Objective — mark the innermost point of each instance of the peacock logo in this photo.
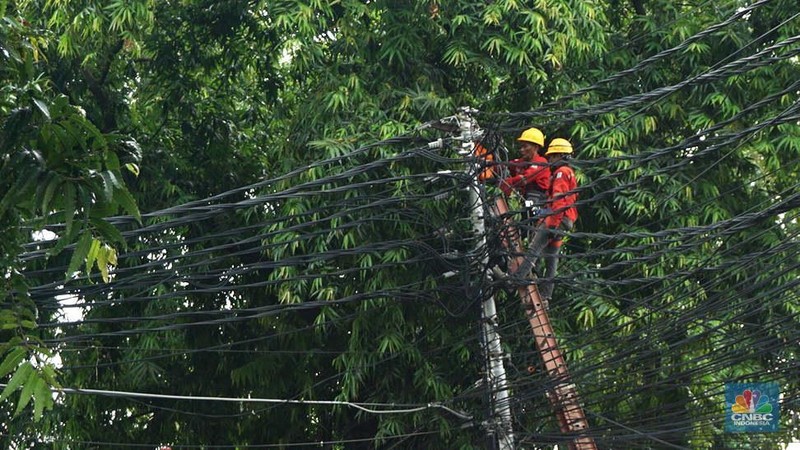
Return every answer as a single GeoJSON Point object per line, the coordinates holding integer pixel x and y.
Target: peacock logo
{"type": "Point", "coordinates": [750, 402]}
{"type": "Point", "coordinates": [752, 407]}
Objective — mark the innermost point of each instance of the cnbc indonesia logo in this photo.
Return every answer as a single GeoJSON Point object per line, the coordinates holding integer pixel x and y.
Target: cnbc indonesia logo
{"type": "Point", "coordinates": [752, 408]}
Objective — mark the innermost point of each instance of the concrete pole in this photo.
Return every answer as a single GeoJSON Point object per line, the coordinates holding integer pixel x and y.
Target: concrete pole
{"type": "Point", "coordinates": [496, 380]}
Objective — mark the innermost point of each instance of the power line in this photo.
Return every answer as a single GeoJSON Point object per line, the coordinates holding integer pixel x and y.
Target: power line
{"type": "Point", "coordinates": [368, 407]}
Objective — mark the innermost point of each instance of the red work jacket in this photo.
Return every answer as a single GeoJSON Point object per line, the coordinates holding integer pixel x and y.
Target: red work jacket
{"type": "Point", "coordinates": [562, 196]}
{"type": "Point", "coordinates": [527, 176]}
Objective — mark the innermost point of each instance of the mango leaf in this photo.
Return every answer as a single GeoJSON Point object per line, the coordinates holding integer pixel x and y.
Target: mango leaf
{"type": "Point", "coordinates": [43, 398]}
{"type": "Point", "coordinates": [80, 252]}
{"type": "Point", "coordinates": [49, 191]}
{"type": "Point", "coordinates": [27, 392]}
{"type": "Point", "coordinates": [20, 376]}
{"type": "Point", "coordinates": [108, 186]}
{"type": "Point", "coordinates": [69, 205]}
{"type": "Point", "coordinates": [102, 262]}
{"type": "Point", "coordinates": [132, 168]}
{"type": "Point", "coordinates": [42, 107]}
{"type": "Point", "coordinates": [12, 360]}
{"type": "Point", "coordinates": [91, 256]}
{"type": "Point", "coordinates": [126, 200]}
{"type": "Point", "coordinates": [112, 161]}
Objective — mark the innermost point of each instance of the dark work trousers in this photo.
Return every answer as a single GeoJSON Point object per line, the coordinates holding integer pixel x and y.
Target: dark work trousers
{"type": "Point", "coordinates": [544, 244]}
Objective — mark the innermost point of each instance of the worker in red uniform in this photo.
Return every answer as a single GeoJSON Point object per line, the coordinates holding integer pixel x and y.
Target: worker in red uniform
{"type": "Point", "coordinates": [560, 214]}
{"type": "Point", "coordinates": [530, 174]}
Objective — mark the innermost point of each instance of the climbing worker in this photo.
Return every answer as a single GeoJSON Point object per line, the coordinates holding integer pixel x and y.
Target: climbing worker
{"type": "Point", "coordinates": [529, 175]}
{"type": "Point", "coordinates": [560, 214]}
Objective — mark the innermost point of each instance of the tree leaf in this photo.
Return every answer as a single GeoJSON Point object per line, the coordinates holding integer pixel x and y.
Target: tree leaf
{"type": "Point", "coordinates": [42, 107]}
{"type": "Point", "coordinates": [27, 392]}
{"type": "Point", "coordinates": [108, 186]}
{"type": "Point", "coordinates": [132, 168]}
{"type": "Point", "coordinates": [79, 254]}
{"type": "Point", "coordinates": [112, 161]}
{"type": "Point", "coordinates": [102, 262]}
{"type": "Point", "coordinates": [12, 360]}
{"type": "Point", "coordinates": [126, 200]}
{"type": "Point", "coordinates": [20, 376]}
{"type": "Point", "coordinates": [91, 255]}
{"type": "Point", "coordinates": [43, 398]}
{"type": "Point", "coordinates": [49, 191]}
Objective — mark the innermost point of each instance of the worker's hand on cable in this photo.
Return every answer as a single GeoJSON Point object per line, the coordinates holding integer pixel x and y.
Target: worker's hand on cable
{"type": "Point", "coordinates": [543, 212]}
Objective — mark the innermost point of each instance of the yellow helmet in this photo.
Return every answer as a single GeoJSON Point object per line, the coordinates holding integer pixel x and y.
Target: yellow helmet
{"type": "Point", "coordinates": [532, 135]}
{"type": "Point", "coordinates": [559, 145]}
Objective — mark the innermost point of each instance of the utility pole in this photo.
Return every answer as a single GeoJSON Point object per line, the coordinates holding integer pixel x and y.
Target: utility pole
{"type": "Point", "coordinates": [500, 424]}
{"type": "Point", "coordinates": [563, 395]}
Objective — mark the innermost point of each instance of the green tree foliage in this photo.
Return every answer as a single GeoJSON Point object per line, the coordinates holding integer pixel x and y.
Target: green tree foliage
{"type": "Point", "coordinates": [731, 152]}
{"type": "Point", "coordinates": [292, 242]}
{"type": "Point", "coordinates": [60, 173]}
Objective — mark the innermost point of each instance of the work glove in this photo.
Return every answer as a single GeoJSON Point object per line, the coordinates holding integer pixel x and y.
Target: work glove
{"type": "Point", "coordinates": [567, 223]}
{"type": "Point", "coordinates": [543, 212]}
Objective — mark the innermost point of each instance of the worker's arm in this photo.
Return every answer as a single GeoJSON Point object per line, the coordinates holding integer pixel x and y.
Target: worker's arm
{"type": "Point", "coordinates": [517, 168]}
{"type": "Point", "coordinates": [511, 183]}
{"type": "Point", "coordinates": [538, 175]}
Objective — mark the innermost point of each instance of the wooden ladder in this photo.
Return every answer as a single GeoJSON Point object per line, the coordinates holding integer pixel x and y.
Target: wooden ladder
{"type": "Point", "coordinates": [564, 395]}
